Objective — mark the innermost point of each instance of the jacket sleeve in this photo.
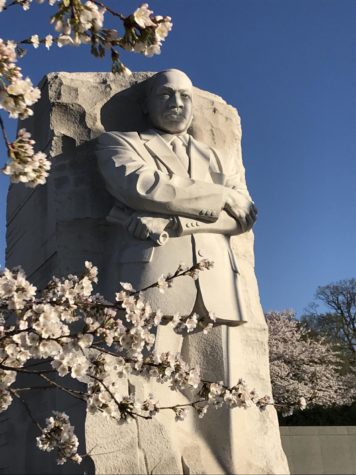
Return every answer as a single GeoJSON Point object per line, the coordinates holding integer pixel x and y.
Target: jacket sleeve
{"type": "Point", "coordinates": [233, 177]}
{"type": "Point", "coordinates": [225, 224]}
{"type": "Point", "coordinates": [140, 186]}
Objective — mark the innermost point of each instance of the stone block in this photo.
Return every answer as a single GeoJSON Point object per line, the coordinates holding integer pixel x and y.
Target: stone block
{"type": "Point", "coordinates": [53, 229]}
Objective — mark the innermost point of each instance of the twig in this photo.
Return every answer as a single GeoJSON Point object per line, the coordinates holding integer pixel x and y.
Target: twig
{"type": "Point", "coordinates": [26, 371]}
{"type": "Point", "coordinates": [27, 408]}
{"type": "Point", "coordinates": [71, 392]}
{"type": "Point", "coordinates": [34, 387]}
{"type": "Point", "coordinates": [5, 136]}
{"type": "Point", "coordinates": [112, 12]}
{"type": "Point", "coordinates": [190, 404]}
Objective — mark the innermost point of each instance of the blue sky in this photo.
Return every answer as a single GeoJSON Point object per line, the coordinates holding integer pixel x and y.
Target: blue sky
{"type": "Point", "coordinates": [289, 66]}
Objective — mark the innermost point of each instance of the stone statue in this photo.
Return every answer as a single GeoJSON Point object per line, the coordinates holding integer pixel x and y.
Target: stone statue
{"type": "Point", "coordinates": [137, 202]}
{"type": "Point", "coordinates": [165, 181]}
{"type": "Point", "coordinates": [178, 200]}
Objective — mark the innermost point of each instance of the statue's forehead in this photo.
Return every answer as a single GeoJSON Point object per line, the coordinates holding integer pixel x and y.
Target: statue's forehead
{"type": "Point", "coordinates": [173, 80]}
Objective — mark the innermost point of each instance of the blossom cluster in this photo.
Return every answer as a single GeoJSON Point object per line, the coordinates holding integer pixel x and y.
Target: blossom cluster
{"type": "Point", "coordinates": [83, 23]}
{"type": "Point", "coordinates": [15, 290]}
{"type": "Point", "coordinates": [77, 22]}
{"type": "Point", "coordinates": [47, 41]}
{"type": "Point", "coordinates": [304, 369]}
{"type": "Point", "coordinates": [98, 343]}
{"type": "Point", "coordinates": [24, 3]}
{"type": "Point", "coordinates": [144, 32]}
{"type": "Point", "coordinates": [24, 165]}
{"type": "Point", "coordinates": [16, 93]}
{"type": "Point", "coordinates": [217, 394]}
{"type": "Point", "coordinates": [59, 435]}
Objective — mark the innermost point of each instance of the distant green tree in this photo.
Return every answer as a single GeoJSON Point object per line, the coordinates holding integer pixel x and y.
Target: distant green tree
{"type": "Point", "coordinates": [338, 321]}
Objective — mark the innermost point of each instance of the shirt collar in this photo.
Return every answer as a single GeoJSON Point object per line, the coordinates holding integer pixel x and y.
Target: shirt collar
{"type": "Point", "coordinates": [167, 137]}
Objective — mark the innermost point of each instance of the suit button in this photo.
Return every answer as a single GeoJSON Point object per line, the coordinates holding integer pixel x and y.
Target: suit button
{"type": "Point", "coordinates": [187, 225]}
{"type": "Point", "coordinates": [201, 253]}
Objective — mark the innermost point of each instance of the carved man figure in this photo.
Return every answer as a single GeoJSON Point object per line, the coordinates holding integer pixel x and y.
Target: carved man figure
{"type": "Point", "coordinates": [163, 180]}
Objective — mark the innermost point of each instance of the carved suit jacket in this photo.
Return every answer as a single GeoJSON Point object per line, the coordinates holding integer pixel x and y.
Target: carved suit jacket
{"type": "Point", "coordinates": [142, 173]}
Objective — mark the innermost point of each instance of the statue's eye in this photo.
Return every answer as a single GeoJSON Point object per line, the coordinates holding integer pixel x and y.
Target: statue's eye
{"type": "Point", "coordinates": [186, 96]}
{"type": "Point", "coordinates": [164, 95]}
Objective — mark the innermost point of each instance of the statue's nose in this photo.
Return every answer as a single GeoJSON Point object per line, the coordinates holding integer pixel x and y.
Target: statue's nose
{"type": "Point", "coordinates": [176, 100]}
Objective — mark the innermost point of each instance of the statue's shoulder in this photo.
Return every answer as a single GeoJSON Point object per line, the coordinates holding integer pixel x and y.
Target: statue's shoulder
{"type": "Point", "coordinates": [203, 145]}
{"type": "Point", "coordinates": [116, 138]}
{"type": "Point", "coordinates": [214, 154]}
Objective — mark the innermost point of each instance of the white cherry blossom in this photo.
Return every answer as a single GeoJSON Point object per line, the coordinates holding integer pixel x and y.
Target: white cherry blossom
{"type": "Point", "coordinates": [35, 41]}
{"type": "Point", "coordinates": [18, 96]}
{"type": "Point", "coordinates": [191, 323]}
{"type": "Point", "coordinates": [181, 413]}
{"type": "Point", "coordinates": [91, 16]}
{"type": "Point", "coordinates": [163, 28]}
{"type": "Point", "coordinates": [63, 40]}
{"type": "Point", "coordinates": [48, 41]}
{"type": "Point", "coordinates": [15, 289]}
{"type": "Point", "coordinates": [142, 16]}
{"type": "Point", "coordinates": [25, 165]}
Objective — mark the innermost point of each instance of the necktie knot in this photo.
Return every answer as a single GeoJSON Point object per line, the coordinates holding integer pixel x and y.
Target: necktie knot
{"type": "Point", "coordinates": [178, 139]}
{"type": "Point", "coordinates": [179, 147]}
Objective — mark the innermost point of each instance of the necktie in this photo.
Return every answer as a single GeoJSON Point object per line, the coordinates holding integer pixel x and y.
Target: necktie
{"type": "Point", "coordinates": [180, 149]}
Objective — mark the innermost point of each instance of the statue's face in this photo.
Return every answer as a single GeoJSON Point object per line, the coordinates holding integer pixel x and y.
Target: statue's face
{"type": "Point", "coordinates": [169, 102]}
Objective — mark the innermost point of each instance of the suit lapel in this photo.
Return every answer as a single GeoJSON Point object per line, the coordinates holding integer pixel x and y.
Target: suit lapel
{"type": "Point", "coordinates": [199, 159]}
{"type": "Point", "coordinates": [163, 153]}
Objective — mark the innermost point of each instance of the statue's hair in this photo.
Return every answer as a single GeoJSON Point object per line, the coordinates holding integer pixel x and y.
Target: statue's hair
{"type": "Point", "coordinates": [151, 81]}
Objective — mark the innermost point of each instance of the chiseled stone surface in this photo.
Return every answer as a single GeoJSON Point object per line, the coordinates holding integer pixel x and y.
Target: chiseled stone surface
{"type": "Point", "coordinates": [55, 228]}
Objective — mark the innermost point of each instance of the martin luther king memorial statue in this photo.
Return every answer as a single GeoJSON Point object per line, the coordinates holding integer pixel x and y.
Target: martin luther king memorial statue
{"type": "Point", "coordinates": [147, 174]}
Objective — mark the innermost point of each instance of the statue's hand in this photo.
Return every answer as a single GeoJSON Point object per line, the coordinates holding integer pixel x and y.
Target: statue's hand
{"type": "Point", "coordinates": [142, 226]}
{"type": "Point", "coordinates": [240, 207]}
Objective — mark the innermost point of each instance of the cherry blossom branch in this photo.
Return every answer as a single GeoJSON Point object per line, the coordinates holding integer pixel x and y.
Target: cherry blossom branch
{"type": "Point", "coordinates": [76, 23]}
{"type": "Point", "coordinates": [165, 280]}
{"type": "Point", "coordinates": [14, 2]}
{"type": "Point", "coordinates": [82, 335]}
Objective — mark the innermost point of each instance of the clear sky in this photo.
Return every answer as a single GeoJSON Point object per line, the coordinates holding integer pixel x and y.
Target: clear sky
{"type": "Point", "coordinates": [289, 66]}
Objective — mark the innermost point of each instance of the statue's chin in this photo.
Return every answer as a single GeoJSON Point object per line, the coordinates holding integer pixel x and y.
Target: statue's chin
{"type": "Point", "coordinates": [175, 127]}
{"type": "Point", "coordinates": [175, 130]}
{"type": "Point", "coordinates": [172, 125]}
